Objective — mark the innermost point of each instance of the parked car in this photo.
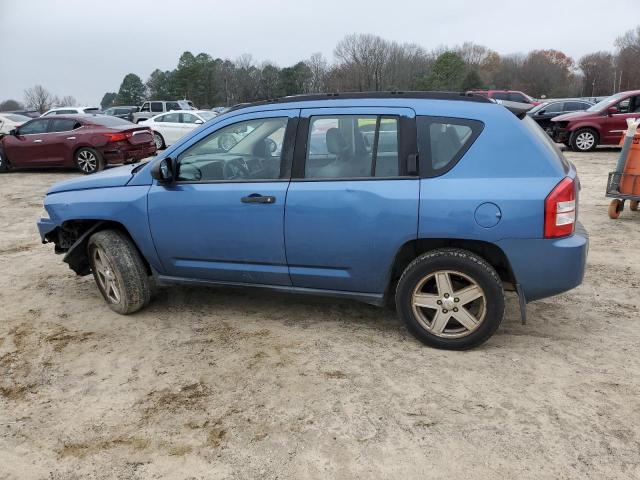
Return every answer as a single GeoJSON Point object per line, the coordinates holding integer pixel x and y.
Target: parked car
{"type": "Point", "coordinates": [545, 111]}
{"type": "Point", "coordinates": [87, 142]}
{"type": "Point", "coordinates": [472, 201]}
{"type": "Point", "coordinates": [125, 112]}
{"type": "Point", "coordinates": [72, 111]}
{"type": "Point", "coordinates": [26, 113]}
{"type": "Point", "coordinates": [601, 124]}
{"type": "Point", "coordinates": [153, 108]}
{"type": "Point", "coordinates": [9, 121]}
{"type": "Point", "coordinates": [508, 95]}
{"type": "Point", "coordinates": [169, 127]}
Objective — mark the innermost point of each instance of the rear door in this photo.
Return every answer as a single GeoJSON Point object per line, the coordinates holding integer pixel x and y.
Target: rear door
{"type": "Point", "coordinates": [61, 140]}
{"type": "Point", "coordinates": [28, 147]}
{"type": "Point", "coordinates": [352, 203]}
{"type": "Point", "coordinates": [223, 219]}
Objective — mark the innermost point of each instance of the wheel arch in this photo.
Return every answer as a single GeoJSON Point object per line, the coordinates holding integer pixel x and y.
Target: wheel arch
{"type": "Point", "coordinates": [72, 236]}
{"type": "Point", "coordinates": [409, 251]}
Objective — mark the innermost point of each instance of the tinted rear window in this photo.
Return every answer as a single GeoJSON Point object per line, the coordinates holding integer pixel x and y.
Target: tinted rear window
{"type": "Point", "coordinates": [109, 121]}
{"type": "Point", "coordinates": [442, 142]}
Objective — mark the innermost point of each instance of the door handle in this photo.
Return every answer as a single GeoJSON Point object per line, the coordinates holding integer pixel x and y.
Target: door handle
{"type": "Point", "coordinates": [71, 138]}
{"type": "Point", "coordinates": [257, 198]}
{"type": "Point", "coordinates": [37, 141]}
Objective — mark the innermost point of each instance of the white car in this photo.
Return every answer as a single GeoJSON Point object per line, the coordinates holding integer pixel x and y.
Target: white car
{"type": "Point", "coordinates": [9, 121]}
{"type": "Point", "coordinates": [72, 111]}
{"type": "Point", "coordinates": [169, 127]}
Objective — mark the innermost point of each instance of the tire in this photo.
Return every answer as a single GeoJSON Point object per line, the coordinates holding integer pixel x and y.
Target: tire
{"type": "Point", "coordinates": [437, 325]}
{"type": "Point", "coordinates": [615, 208]}
{"type": "Point", "coordinates": [118, 271]}
{"type": "Point", "coordinates": [158, 140]}
{"type": "Point", "coordinates": [4, 163]}
{"type": "Point", "coordinates": [584, 140]}
{"type": "Point", "coordinates": [633, 205]}
{"type": "Point", "coordinates": [88, 160]}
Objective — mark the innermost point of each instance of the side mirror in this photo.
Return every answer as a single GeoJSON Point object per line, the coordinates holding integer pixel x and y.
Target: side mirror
{"type": "Point", "coordinates": [198, 122]}
{"type": "Point", "coordinates": [612, 110]}
{"type": "Point", "coordinates": [541, 112]}
{"type": "Point", "coordinates": [13, 132]}
{"type": "Point", "coordinates": [162, 171]}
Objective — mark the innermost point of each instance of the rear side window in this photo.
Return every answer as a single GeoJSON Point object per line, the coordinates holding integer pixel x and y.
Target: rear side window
{"type": "Point", "coordinates": [352, 146]}
{"type": "Point", "coordinates": [156, 107]}
{"type": "Point", "coordinates": [173, 106]}
{"type": "Point", "coordinates": [63, 125]}
{"type": "Point", "coordinates": [555, 108]}
{"type": "Point", "coordinates": [442, 142]}
{"type": "Point", "coordinates": [575, 106]}
{"type": "Point", "coordinates": [517, 97]}
{"type": "Point", "coordinates": [500, 95]}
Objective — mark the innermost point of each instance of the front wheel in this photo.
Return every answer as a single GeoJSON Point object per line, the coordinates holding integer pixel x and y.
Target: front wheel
{"type": "Point", "coordinates": [615, 208]}
{"type": "Point", "coordinates": [119, 271]}
{"type": "Point", "coordinates": [4, 164]}
{"type": "Point", "coordinates": [89, 160]}
{"type": "Point", "coordinates": [451, 298]}
{"type": "Point", "coordinates": [633, 205]}
{"type": "Point", "coordinates": [584, 140]}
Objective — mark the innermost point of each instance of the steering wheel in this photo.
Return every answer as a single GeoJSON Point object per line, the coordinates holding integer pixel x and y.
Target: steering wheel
{"type": "Point", "coordinates": [237, 168]}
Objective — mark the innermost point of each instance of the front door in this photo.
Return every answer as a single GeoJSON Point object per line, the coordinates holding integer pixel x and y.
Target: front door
{"type": "Point", "coordinates": [28, 147]}
{"type": "Point", "coordinates": [616, 124]}
{"type": "Point", "coordinates": [223, 218]}
{"type": "Point", "coordinates": [352, 202]}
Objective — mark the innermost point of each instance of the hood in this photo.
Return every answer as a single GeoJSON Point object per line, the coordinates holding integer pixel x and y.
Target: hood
{"type": "Point", "coordinates": [113, 177]}
{"type": "Point", "coordinates": [567, 117]}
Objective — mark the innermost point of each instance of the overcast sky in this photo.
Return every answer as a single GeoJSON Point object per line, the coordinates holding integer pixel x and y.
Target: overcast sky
{"type": "Point", "coordinates": [85, 47]}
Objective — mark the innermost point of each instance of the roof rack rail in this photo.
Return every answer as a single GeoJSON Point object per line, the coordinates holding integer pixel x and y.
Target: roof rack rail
{"type": "Point", "coordinates": [463, 96]}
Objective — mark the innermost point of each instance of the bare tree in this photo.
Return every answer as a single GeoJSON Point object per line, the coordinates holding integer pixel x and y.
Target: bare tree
{"type": "Point", "coordinates": [363, 58]}
{"type": "Point", "coordinates": [319, 68]}
{"type": "Point", "coordinates": [627, 65]}
{"type": "Point", "coordinates": [38, 98]}
{"type": "Point", "coordinates": [597, 73]}
{"type": "Point", "coordinates": [66, 101]}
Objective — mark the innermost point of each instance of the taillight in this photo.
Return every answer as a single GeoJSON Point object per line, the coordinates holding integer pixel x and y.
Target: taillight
{"type": "Point", "coordinates": [560, 210]}
{"type": "Point", "coordinates": [116, 137]}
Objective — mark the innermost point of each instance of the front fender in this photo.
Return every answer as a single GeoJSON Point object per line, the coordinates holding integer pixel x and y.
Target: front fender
{"type": "Point", "coordinates": [126, 206]}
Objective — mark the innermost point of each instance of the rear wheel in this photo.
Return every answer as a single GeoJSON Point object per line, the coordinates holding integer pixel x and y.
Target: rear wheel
{"type": "Point", "coordinates": [119, 271]}
{"type": "Point", "coordinates": [451, 298]}
{"type": "Point", "coordinates": [615, 208]}
{"type": "Point", "coordinates": [584, 140]}
{"type": "Point", "coordinates": [158, 140]}
{"type": "Point", "coordinates": [633, 205]}
{"type": "Point", "coordinates": [89, 160]}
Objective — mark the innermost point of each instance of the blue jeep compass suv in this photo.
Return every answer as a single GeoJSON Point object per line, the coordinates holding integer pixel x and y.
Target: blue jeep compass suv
{"type": "Point", "coordinates": [436, 202]}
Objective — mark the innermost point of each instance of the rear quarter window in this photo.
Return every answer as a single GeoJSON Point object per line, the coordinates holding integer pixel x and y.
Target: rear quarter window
{"type": "Point", "coordinates": [443, 141]}
{"type": "Point", "coordinates": [541, 136]}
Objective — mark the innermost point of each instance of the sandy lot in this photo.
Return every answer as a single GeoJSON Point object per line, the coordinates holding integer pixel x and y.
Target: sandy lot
{"type": "Point", "coordinates": [215, 383]}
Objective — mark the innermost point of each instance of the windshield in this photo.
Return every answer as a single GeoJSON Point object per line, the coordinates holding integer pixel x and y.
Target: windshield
{"type": "Point", "coordinates": [207, 115]}
{"type": "Point", "coordinates": [17, 118]}
{"type": "Point", "coordinates": [603, 103]}
{"type": "Point", "coordinates": [538, 107]}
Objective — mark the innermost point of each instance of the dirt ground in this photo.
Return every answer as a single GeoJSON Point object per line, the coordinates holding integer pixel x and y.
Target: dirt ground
{"type": "Point", "coordinates": [217, 383]}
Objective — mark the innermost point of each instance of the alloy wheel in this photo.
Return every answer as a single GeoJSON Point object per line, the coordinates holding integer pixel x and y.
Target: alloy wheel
{"type": "Point", "coordinates": [87, 161]}
{"type": "Point", "coordinates": [585, 141]}
{"type": "Point", "coordinates": [449, 304]}
{"type": "Point", "coordinates": [105, 276]}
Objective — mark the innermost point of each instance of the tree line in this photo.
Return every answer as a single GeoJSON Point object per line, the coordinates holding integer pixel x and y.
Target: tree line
{"type": "Point", "coordinates": [365, 62]}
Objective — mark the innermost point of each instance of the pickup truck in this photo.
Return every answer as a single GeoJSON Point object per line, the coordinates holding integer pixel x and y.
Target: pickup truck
{"type": "Point", "coordinates": [153, 108]}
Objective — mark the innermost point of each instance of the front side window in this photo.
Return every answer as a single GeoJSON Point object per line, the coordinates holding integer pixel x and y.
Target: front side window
{"type": "Point", "coordinates": [188, 118]}
{"type": "Point", "coordinates": [442, 142]}
{"type": "Point", "coordinates": [145, 107]}
{"type": "Point", "coordinates": [500, 96]}
{"type": "Point", "coordinates": [156, 107]}
{"type": "Point", "coordinates": [518, 97]}
{"type": "Point", "coordinates": [245, 151]}
{"type": "Point", "coordinates": [34, 127]}
{"type": "Point", "coordinates": [352, 146]}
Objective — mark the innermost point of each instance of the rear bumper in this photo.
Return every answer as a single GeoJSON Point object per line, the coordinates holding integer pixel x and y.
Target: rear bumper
{"type": "Point", "coordinates": [547, 267]}
{"type": "Point", "coordinates": [128, 155]}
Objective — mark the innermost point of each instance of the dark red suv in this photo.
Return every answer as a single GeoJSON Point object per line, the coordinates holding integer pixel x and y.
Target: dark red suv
{"type": "Point", "coordinates": [87, 142]}
{"type": "Point", "coordinates": [602, 124]}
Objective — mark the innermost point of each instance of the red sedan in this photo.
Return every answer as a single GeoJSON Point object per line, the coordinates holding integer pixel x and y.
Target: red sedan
{"type": "Point", "coordinates": [87, 142]}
